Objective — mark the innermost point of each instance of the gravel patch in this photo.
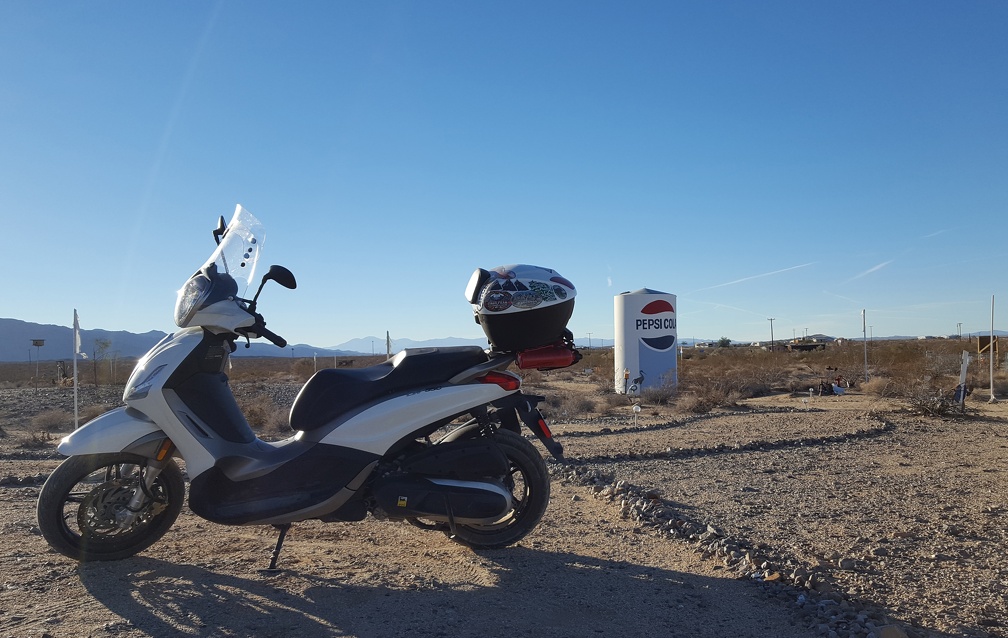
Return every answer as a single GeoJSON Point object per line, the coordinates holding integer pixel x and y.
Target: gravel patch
{"type": "Point", "coordinates": [778, 519]}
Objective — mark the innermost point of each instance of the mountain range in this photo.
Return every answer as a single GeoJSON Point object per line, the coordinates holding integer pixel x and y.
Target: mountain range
{"type": "Point", "coordinates": [16, 339]}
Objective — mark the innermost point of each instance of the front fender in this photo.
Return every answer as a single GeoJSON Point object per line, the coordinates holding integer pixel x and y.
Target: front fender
{"type": "Point", "coordinates": [116, 431]}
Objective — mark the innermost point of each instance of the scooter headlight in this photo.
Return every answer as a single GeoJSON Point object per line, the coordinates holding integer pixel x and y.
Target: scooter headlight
{"type": "Point", "coordinates": [141, 389]}
{"type": "Point", "coordinates": [190, 298]}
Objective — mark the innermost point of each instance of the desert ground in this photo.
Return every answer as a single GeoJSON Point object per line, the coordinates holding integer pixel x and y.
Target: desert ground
{"type": "Point", "coordinates": [785, 515]}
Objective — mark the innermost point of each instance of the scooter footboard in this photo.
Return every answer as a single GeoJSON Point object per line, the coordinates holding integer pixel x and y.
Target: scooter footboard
{"type": "Point", "coordinates": [119, 430]}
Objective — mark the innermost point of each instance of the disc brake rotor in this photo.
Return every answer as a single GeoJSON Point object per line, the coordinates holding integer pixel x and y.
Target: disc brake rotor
{"type": "Point", "coordinates": [104, 509]}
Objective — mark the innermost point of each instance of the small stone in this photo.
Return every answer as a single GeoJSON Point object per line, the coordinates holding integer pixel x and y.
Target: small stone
{"type": "Point", "coordinates": [890, 631]}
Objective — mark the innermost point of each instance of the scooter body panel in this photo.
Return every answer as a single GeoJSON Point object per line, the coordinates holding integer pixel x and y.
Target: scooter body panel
{"type": "Point", "coordinates": [113, 431]}
{"type": "Point", "coordinates": [379, 427]}
{"type": "Point", "coordinates": [146, 392]}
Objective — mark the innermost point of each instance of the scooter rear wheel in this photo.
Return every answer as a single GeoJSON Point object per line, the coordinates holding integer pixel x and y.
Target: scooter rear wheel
{"type": "Point", "coordinates": [84, 500]}
{"type": "Point", "coordinates": [529, 483]}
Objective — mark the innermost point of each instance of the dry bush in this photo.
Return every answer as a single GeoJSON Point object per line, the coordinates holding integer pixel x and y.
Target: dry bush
{"type": "Point", "coordinates": [531, 377]}
{"type": "Point", "coordinates": [661, 395]}
{"type": "Point", "coordinates": [575, 406]}
{"type": "Point", "coordinates": [50, 421]}
{"type": "Point", "coordinates": [612, 400]}
{"type": "Point", "coordinates": [879, 387]}
{"type": "Point", "coordinates": [924, 397]}
{"type": "Point", "coordinates": [265, 416]}
{"type": "Point", "coordinates": [699, 402]}
{"type": "Point", "coordinates": [37, 439]}
{"type": "Point", "coordinates": [569, 405]}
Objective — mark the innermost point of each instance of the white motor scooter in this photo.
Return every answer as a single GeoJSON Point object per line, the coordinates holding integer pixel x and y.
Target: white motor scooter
{"type": "Point", "coordinates": [431, 436]}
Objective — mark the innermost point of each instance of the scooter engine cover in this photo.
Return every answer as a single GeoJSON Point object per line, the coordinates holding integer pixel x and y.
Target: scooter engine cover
{"type": "Point", "coordinates": [464, 460]}
{"type": "Point", "coordinates": [412, 496]}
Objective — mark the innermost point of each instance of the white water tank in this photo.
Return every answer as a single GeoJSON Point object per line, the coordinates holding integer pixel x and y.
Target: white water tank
{"type": "Point", "coordinates": [646, 340]}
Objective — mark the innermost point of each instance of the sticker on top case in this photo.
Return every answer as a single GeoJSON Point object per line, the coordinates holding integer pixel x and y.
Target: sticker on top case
{"type": "Point", "coordinates": [497, 300]}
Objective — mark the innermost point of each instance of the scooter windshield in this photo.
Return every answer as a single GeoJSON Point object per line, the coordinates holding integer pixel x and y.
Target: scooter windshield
{"type": "Point", "coordinates": [228, 272]}
{"type": "Point", "coordinates": [238, 252]}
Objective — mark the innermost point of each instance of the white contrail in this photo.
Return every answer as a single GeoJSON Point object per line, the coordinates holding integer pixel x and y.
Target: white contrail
{"type": "Point", "coordinates": [872, 269]}
{"type": "Point", "coordinates": [766, 274]}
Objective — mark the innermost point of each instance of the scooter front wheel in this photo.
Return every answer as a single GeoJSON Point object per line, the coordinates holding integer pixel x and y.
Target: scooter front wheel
{"type": "Point", "coordinates": [84, 506]}
{"type": "Point", "coordinates": [529, 483]}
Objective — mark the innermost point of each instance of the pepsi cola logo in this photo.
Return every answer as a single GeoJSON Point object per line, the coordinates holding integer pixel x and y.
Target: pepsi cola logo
{"type": "Point", "coordinates": [657, 307]}
{"type": "Point", "coordinates": [659, 343]}
{"type": "Point", "coordinates": [652, 321]}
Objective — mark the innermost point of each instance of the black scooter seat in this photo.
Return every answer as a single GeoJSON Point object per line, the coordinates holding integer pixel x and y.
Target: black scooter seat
{"type": "Point", "coordinates": [332, 392]}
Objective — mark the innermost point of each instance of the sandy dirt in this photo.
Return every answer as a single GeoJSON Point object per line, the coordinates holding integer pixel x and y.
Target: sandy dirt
{"type": "Point", "coordinates": [836, 516]}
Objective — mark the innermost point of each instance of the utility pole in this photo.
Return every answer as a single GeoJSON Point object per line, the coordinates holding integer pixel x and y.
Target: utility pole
{"type": "Point", "coordinates": [993, 353]}
{"type": "Point", "coordinates": [589, 340]}
{"type": "Point", "coordinates": [864, 337]}
{"type": "Point", "coordinates": [771, 320]}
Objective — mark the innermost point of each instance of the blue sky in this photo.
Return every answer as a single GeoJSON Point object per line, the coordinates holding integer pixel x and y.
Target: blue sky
{"type": "Point", "coordinates": [795, 160]}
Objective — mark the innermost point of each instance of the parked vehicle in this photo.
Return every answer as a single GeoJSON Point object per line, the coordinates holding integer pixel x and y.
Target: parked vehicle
{"type": "Point", "coordinates": [432, 436]}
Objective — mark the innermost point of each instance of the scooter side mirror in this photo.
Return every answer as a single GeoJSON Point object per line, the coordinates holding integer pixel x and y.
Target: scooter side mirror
{"type": "Point", "coordinates": [280, 275]}
{"type": "Point", "coordinates": [221, 229]}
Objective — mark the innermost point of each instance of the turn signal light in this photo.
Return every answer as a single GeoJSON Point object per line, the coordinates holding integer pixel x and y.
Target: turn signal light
{"type": "Point", "coordinates": [506, 381]}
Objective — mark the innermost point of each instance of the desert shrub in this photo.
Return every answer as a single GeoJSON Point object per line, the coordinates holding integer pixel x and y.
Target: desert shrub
{"type": "Point", "coordinates": [1000, 387]}
{"type": "Point", "coordinates": [924, 398]}
{"type": "Point", "coordinates": [37, 439]}
{"type": "Point", "coordinates": [613, 400]}
{"type": "Point", "coordinates": [264, 415]}
{"type": "Point", "coordinates": [660, 395]}
{"type": "Point", "coordinates": [879, 387]}
{"type": "Point", "coordinates": [561, 375]}
{"type": "Point", "coordinates": [704, 399]}
{"type": "Point", "coordinates": [571, 405]}
{"type": "Point", "coordinates": [531, 377]}
{"type": "Point", "coordinates": [50, 421]}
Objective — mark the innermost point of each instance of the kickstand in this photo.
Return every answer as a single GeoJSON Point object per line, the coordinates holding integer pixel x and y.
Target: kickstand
{"type": "Point", "coordinates": [451, 517]}
{"type": "Point", "coordinates": [284, 528]}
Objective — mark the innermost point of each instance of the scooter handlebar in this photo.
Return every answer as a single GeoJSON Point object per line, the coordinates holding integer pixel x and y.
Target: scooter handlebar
{"type": "Point", "coordinates": [272, 337]}
{"type": "Point", "coordinates": [259, 329]}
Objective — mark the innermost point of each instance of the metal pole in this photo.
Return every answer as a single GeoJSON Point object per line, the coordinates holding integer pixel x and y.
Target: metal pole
{"type": "Point", "coordinates": [864, 337]}
{"type": "Point", "coordinates": [771, 319]}
{"type": "Point", "coordinates": [993, 354]}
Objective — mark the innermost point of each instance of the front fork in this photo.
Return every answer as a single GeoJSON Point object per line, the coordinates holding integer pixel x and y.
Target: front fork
{"type": "Point", "coordinates": [142, 495]}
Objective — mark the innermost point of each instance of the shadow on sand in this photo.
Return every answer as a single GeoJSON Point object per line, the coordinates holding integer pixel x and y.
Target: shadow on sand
{"type": "Point", "coordinates": [566, 595]}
